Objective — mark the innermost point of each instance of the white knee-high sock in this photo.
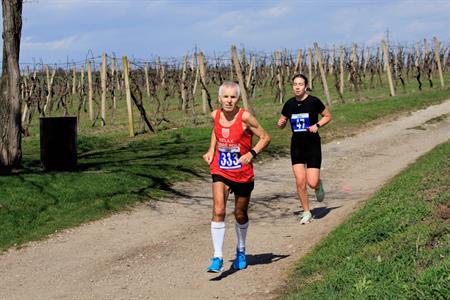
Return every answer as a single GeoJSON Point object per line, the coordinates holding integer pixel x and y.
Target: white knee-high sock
{"type": "Point", "coordinates": [241, 233]}
{"type": "Point", "coordinates": [218, 234]}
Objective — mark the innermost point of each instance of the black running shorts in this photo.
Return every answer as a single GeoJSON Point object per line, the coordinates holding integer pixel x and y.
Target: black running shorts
{"type": "Point", "coordinates": [306, 151]}
{"type": "Point", "coordinates": [238, 188]}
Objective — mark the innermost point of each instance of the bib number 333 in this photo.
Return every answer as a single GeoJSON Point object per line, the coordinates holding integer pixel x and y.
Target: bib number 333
{"type": "Point", "coordinates": [229, 158]}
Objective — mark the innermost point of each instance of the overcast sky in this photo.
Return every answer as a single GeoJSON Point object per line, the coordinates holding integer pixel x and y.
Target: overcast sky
{"type": "Point", "coordinates": [58, 31]}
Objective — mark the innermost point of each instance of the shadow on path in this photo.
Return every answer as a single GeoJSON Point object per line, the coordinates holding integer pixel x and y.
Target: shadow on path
{"type": "Point", "coordinates": [319, 212]}
{"type": "Point", "coordinates": [258, 259]}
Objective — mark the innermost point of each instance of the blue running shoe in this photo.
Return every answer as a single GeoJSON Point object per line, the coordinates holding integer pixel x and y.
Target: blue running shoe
{"type": "Point", "coordinates": [216, 265]}
{"type": "Point", "coordinates": [240, 263]}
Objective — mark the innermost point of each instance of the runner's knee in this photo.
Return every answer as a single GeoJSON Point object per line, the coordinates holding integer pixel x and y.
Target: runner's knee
{"type": "Point", "coordinates": [219, 214]}
{"type": "Point", "coordinates": [241, 216]}
{"type": "Point", "coordinates": [313, 183]}
{"type": "Point", "coordinates": [301, 183]}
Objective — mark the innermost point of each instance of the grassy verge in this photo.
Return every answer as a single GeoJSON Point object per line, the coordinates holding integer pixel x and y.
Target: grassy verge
{"type": "Point", "coordinates": [395, 247]}
{"type": "Point", "coordinates": [112, 174]}
{"type": "Point", "coordinates": [115, 171]}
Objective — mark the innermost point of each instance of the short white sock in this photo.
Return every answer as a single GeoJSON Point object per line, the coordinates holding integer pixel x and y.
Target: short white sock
{"type": "Point", "coordinates": [218, 234]}
{"type": "Point", "coordinates": [241, 233]}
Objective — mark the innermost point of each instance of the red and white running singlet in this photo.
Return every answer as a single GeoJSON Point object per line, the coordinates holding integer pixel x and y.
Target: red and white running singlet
{"type": "Point", "coordinates": [232, 143]}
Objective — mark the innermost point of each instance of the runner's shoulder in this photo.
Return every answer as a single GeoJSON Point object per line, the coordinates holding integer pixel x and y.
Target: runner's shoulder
{"type": "Point", "coordinates": [213, 113]}
{"type": "Point", "coordinates": [313, 98]}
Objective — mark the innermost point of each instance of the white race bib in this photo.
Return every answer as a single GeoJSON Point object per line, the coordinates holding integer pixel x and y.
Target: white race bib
{"type": "Point", "coordinates": [300, 122]}
{"type": "Point", "coordinates": [229, 158]}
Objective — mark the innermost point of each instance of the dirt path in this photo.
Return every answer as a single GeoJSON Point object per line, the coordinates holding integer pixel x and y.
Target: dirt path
{"type": "Point", "coordinates": [160, 251]}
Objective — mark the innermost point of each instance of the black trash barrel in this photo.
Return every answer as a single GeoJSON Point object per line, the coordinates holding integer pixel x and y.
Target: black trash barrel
{"type": "Point", "coordinates": [58, 137]}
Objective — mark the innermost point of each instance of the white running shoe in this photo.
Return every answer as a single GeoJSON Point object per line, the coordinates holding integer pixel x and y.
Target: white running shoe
{"type": "Point", "coordinates": [306, 217]}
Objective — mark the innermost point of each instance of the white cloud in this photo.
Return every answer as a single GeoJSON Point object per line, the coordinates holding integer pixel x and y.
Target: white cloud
{"type": "Point", "coordinates": [61, 44]}
{"type": "Point", "coordinates": [275, 11]}
{"type": "Point", "coordinates": [245, 22]}
{"type": "Point", "coordinates": [235, 31]}
{"type": "Point", "coordinates": [412, 9]}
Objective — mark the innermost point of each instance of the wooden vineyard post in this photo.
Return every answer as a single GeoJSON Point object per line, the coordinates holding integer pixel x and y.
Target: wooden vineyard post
{"type": "Point", "coordinates": [298, 62]}
{"type": "Point", "coordinates": [237, 67]}
{"type": "Point", "coordinates": [416, 61]}
{"type": "Point", "coordinates": [49, 92]}
{"type": "Point", "coordinates": [128, 96]}
{"type": "Point", "coordinates": [446, 61]}
{"type": "Point", "coordinates": [366, 60]}
{"type": "Point", "coordinates": [115, 73]}
{"type": "Point", "coordinates": [113, 81]}
{"type": "Point", "coordinates": [322, 73]}
{"type": "Point", "coordinates": [438, 60]}
{"type": "Point", "coordinates": [354, 57]}
{"type": "Point", "coordinates": [333, 58]}
{"type": "Point", "coordinates": [90, 93]}
{"type": "Point", "coordinates": [380, 58]}
{"type": "Point", "coordinates": [82, 80]}
{"type": "Point", "coordinates": [158, 66]}
{"type": "Point", "coordinates": [49, 87]}
{"type": "Point", "coordinates": [310, 62]}
{"type": "Point", "coordinates": [26, 94]}
{"type": "Point", "coordinates": [388, 67]}
{"type": "Point", "coordinates": [254, 79]}
{"type": "Point", "coordinates": [197, 74]}
{"type": "Point", "coordinates": [341, 70]}
{"type": "Point", "coordinates": [74, 79]}
{"type": "Point", "coordinates": [231, 72]}
{"type": "Point", "coordinates": [279, 75]}
{"type": "Point", "coordinates": [147, 84]}
{"type": "Point", "coordinates": [194, 86]}
{"type": "Point", "coordinates": [103, 85]}
{"type": "Point", "coordinates": [250, 72]}
{"type": "Point", "coordinates": [183, 85]}
{"type": "Point", "coordinates": [395, 66]}
{"type": "Point", "coordinates": [285, 61]}
{"type": "Point", "coordinates": [201, 66]}
{"type": "Point", "coordinates": [243, 59]}
{"type": "Point", "coordinates": [425, 49]}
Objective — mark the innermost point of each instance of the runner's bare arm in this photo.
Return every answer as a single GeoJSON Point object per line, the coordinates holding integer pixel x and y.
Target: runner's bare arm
{"type": "Point", "coordinates": [209, 155]}
{"type": "Point", "coordinates": [326, 117]}
{"type": "Point", "coordinates": [282, 122]}
{"type": "Point", "coordinates": [252, 124]}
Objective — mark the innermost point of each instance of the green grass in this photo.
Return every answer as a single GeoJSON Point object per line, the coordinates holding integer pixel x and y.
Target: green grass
{"type": "Point", "coordinates": [115, 171]}
{"type": "Point", "coordinates": [395, 247]}
{"type": "Point", "coordinates": [111, 174]}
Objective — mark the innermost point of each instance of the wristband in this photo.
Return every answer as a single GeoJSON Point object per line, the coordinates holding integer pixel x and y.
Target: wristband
{"type": "Point", "coordinates": [318, 125]}
{"type": "Point", "coordinates": [253, 152]}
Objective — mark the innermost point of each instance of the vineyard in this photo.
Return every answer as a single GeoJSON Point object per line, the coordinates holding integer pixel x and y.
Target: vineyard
{"type": "Point", "coordinates": [391, 99]}
{"type": "Point", "coordinates": [109, 91]}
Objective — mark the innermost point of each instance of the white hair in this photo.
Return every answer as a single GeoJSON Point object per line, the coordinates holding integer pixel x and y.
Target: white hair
{"type": "Point", "coordinates": [230, 84]}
